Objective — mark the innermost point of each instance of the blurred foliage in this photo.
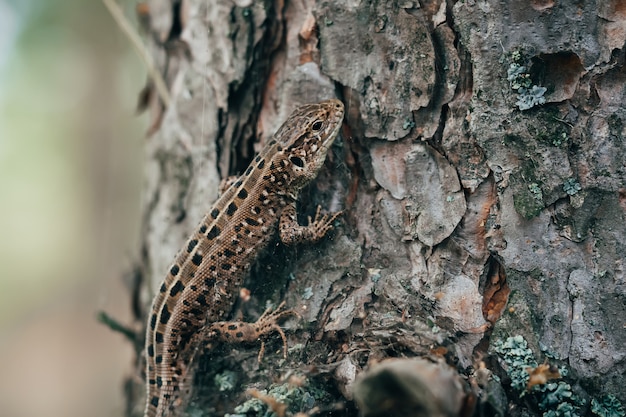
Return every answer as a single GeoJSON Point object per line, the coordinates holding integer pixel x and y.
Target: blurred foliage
{"type": "Point", "coordinates": [68, 134]}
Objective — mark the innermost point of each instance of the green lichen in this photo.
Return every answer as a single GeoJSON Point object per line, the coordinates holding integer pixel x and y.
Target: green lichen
{"type": "Point", "coordinates": [529, 98]}
{"type": "Point", "coordinates": [408, 124]}
{"type": "Point", "coordinates": [536, 191]}
{"type": "Point", "coordinates": [555, 399]}
{"type": "Point", "coordinates": [562, 410]}
{"type": "Point", "coordinates": [297, 399]}
{"type": "Point", "coordinates": [528, 94]}
{"type": "Point", "coordinates": [225, 381]}
{"type": "Point", "coordinates": [517, 356]}
{"type": "Point", "coordinates": [554, 394]}
{"type": "Point", "coordinates": [607, 406]}
{"type": "Point", "coordinates": [518, 77]}
{"type": "Point", "coordinates": [560, 139]}
{"type": "Point", "coordinates": [571, 186]}
{"type": "Point", "coordinates": [307, 293]}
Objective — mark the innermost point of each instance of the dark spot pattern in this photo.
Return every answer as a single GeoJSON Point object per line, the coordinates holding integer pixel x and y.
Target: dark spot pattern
{"type": "Point", "coordinates": [158, 337]}
{"type": "Point", "coordinates": [203, 229]}
{"type": "Point", "coordinates": [214, 213]}
{"type": "Point", "coordinates": [249, 170]}
{"type": "Point", "coordinates": [163, 288]}
{"type": "Point", "coordinates": [242, 193]}
{"type": "Point", "coordinates": [226, 267]}
{"type": "Point", "coordinates": [192, 244]}
{"type": "Point", "coordinates": [178, 287]}
{"type": "Point", "coordinates": [232, 208]}
{"type": "Point", "coordinates": [261, 164]}
{"type": "Point", "coordinates": [165, 314]}
{"type": "Point", "coordinates": [158, 359]}
{"type": "Point", "coordinates": [251, 222]}
{"type": "Point", "coordinates": [154, 401]}
{"type": "Point", "coordinates": [213, 233]}
{"type": "Point", "coordinates": [153, 320]}
{"type": "Point", "coordinates": [151, 350]}
{"type": "Point", "coordinates": [196, 259]}
{"type": "Point", "coordinates": [159, 381]}
{"type": "Point", "coordinates": [229, 253]}
{"type": "Point", "coordinates": [174, 270]}
{"type": "Point", "coordinates": [201, 299]}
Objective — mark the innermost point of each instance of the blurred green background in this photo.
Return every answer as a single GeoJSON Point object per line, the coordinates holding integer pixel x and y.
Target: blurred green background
{"type": "Point", "coordinates": [70, 185]}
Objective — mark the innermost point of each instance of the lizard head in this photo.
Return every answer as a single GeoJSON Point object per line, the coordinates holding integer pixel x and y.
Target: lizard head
{"type": "Point", "coordinates": [304, 139]}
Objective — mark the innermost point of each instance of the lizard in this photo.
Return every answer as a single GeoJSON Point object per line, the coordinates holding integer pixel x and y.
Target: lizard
{"type": "Point", "coordinates": [199, 291]}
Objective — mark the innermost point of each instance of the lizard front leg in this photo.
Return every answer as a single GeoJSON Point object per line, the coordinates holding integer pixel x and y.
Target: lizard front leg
{"type": "Point", "coordinates": [292, 232]}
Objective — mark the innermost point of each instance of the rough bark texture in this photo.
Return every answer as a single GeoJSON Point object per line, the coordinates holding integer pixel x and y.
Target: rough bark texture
{"type": "Point", "coordinates": [478, 205]}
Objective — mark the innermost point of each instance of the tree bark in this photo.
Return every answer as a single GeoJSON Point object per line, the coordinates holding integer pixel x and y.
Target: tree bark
{"type": "Point", "coordinates": [481, 170]}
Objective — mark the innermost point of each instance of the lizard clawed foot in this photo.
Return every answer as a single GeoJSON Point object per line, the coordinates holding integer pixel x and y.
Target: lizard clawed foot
{"type": "Point", "coordinates": [322, 224]}
{"type": "Point", "coordinates": [268, 322]}
{"type": "Point", "coordinates": [239, 331]}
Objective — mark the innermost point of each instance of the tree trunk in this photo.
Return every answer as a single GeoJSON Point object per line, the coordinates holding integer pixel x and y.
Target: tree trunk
{"type": "Point", "coordinates": [481, 173]}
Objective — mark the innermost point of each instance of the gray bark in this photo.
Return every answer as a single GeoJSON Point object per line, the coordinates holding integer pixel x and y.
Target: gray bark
{"type": "Point", "coordinates": [475, 209]}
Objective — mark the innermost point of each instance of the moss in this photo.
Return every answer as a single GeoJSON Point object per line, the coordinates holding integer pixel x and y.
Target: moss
{"type": "Point", "coordinates": [616, 125]}
{"type": "Point", "coordinates": [527, 204]}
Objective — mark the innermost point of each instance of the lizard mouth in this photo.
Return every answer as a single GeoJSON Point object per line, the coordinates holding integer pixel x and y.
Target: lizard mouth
{"type": "Point", "coordinates": [336, 114]}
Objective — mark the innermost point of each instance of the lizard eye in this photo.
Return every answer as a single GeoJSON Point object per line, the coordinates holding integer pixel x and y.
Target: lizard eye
{"type": "Point", "coordinates": [297, 161]}
{"type": "Point", "coordinates": [317, 125]}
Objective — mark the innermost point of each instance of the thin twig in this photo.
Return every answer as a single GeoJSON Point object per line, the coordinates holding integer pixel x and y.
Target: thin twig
{"type": "Point", "coordinates": [125, 26]}
{"type": "Point", "coordinates": [116, 326]}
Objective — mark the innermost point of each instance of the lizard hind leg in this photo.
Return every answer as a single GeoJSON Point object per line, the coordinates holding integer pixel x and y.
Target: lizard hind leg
{"type": "Point", "coordinates": [241, 332]}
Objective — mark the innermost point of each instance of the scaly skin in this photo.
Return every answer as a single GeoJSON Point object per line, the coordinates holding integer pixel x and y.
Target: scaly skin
{"type": "Point", "coordinates": [201, 287]}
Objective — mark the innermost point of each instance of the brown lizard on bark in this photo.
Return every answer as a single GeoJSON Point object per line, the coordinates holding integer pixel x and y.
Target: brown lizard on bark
{"type": "Point", "coordinates": [200, 288]}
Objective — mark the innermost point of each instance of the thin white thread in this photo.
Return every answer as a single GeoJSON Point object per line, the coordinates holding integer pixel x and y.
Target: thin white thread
{"type": "Point", "coordinates": [204, 82]}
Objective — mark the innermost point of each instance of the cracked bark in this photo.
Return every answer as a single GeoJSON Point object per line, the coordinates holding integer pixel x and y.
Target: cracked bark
{"type": "Point", "coordinates": [458, 230]}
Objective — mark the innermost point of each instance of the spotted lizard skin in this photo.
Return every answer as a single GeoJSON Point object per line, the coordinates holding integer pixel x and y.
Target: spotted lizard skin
{"type": "Point", "coordinates": [201, 286]}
